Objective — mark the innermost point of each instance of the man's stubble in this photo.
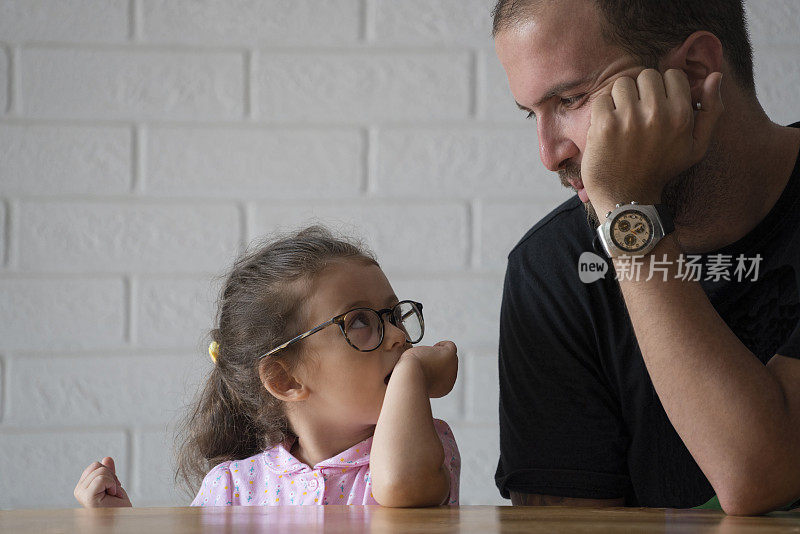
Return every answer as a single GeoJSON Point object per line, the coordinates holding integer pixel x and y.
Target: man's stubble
{"type": "Point", "coordinates": [689, 195]}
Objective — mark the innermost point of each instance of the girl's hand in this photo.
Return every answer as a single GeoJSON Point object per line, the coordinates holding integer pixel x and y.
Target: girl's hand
{"type": "Point", "coordinates": [439, 365]}
{"type": "Point", "coordinates": [99, 486]}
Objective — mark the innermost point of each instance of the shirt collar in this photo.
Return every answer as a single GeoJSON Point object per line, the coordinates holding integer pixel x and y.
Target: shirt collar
{"type": "Point", "coordinates": [280, 461]}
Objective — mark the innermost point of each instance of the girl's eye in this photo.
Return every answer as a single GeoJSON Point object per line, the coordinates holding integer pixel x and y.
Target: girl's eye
{"type": "Point", "coordinates": [359, 321]}
{"type": "Point", "coordinates": [531, 115]}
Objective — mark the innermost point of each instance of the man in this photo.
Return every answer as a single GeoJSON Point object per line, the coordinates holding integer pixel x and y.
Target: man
{"type": "Point", "coordinates": [660, 389]}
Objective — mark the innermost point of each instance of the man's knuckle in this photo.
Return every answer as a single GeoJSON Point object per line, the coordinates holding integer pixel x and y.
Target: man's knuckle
{"type": "Point", "coordinates": [649, 74]}
{"type": "Point", "coordinates": [608, 125]}
{"type": "Point", "coordinates": [681, 121]}
{"type": "Point", "coordinates": [620, 83]}
{"type": "Point", "coordinates": [652, 117]}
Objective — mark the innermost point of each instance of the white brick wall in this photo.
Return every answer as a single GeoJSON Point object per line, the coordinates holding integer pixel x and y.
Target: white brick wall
{"type": "Point", "coordinates": [144, 142]}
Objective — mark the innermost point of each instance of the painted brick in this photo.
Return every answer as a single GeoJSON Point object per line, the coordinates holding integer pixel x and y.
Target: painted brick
{"type": "Point", "coordinates": [64, 160]}
{"type": "Point", "coordinates": [451, 406]}
{"type": "Point", "coordinates": [114, 390]}
{"type": "Point", "coordinates": [482, 390]}
{"type": "Point", "coordinates": [480, 450]}
{"type": "Point", "coordinates": [154, 470]}
{"type": "Point", "coordinates": [254, 163]}
{"type": "Point", "coordinates": [463, 309]}
{"type": "Point", "coordinates": [445, 22]}
{"type": "Point", "coordinates": [3, 232]}
{"type": "Point", "coordinates": [497, 102]}
{"type": "Point", "coordinates": [61, 314]}
{"type": "Point", "coordinates": [74, 21]}
{"type": "Point", "coordinates": [461, 163]}
{"type": "Point", "coordinates": [121, 237]}
{"type": "Point", "coordinates": [363, 86]}
{"type": "Point", "coordinates": [776, 23]}
{"type": "Point", "coordinates": [502, 225]}
{"type": "Point", "coordinates": [4, 77]}
{"type": "Point", "coordinates": [399, 233]}
{"type": "Point", "coordinates": [2, 388]}
{"type": "Point", "coordinates": [301, 22]}
{"type": "Point", "coordinates": [777, 74]}
{"type": "Point", "coordinates": [41, 469]}
{"type": "Point", "coordinates": [175, 312]}
{"type": "Point", "coordinates": [77, 83]}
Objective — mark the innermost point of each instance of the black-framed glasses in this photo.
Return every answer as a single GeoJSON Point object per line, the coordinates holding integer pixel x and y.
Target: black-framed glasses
{"type": "Point", "coordinates": [363, 328]}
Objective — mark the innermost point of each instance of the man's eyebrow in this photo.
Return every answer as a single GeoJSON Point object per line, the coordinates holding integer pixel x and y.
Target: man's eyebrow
{"type": "Point", "coordinates": [556, 90]}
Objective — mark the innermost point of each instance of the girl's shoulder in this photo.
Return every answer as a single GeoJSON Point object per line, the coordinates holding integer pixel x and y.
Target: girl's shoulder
{"type": "Point", "coordinates": [441, 426]}
{"type": "Point", "coordinates": [229, 468]}
{"type": "Point", "coordinates": [228, 483]}
{"type": "Point", "coordinates": [445, 432]}
{"type": "Point", "coordinates": [452, 455]}
{"type": "Point", "coordinates": [452, 458]}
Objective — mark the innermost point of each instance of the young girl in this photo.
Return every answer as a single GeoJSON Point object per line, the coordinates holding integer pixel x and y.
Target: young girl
{"type": "Point", "coordinates": [316, 395]}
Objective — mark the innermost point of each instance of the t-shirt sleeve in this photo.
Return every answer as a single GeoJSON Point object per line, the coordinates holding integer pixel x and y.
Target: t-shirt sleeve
{"type": "Point", "coordinates": [217, 488]}
{"type": "Point", "coordinates": [452, 459]}
{"type": "Point", "coordinates": [561, 432]}
{"type": "Point", "coordinates": [791, 347]}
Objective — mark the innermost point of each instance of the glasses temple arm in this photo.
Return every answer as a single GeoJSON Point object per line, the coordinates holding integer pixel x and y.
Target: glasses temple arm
{"type": "Point", "coordinates": [298, 338]}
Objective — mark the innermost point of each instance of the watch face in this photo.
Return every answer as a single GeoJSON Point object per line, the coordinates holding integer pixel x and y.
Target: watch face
{"type": "Point", "coordinates": [631, 231]}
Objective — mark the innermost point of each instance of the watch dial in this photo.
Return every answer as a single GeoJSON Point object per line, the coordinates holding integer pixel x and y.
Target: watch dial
{"type": "Point", "coordinates": [631, 231]}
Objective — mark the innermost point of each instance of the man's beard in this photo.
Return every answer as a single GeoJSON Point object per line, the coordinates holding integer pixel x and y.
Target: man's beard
{"type": "Point", "coordinates": [687, 195]}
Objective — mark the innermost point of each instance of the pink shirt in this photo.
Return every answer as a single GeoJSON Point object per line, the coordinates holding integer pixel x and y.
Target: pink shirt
{"type": "Point", "coordinates": [276, 478]}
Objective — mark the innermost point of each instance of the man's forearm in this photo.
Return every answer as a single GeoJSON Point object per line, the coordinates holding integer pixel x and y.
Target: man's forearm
{"type": "Point", "coordinates": [727, 407]}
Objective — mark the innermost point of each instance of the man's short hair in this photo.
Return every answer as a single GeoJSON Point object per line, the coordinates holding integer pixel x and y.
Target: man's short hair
{"type": "Point", "coordinates": [648, 29]}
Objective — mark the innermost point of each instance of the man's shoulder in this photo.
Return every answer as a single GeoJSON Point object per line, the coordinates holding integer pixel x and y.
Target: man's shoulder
{"type": "Point", "coordinates": [560, 234]}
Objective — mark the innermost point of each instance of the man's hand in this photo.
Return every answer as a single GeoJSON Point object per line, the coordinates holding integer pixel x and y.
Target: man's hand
{"type": "Point", "coordinates": [439, 364]}
{"type": "Point", "coordinates": [644, 133]}
{"type": "Point", "coordinates": [99, 486]}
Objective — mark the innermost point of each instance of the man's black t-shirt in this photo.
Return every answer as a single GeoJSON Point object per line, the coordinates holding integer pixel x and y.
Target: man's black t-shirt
{"type": "Point", "coordinates": [579, 416]}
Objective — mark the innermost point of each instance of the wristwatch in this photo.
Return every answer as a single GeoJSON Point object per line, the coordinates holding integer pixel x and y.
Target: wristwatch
{"type": "Point", "coordinates": [633, 229]}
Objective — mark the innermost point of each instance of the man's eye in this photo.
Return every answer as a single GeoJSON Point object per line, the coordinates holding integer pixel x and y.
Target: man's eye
{"type": "Point", "coordinates": [570, 101]}
{"type": "Point", "coordinates": [531, 115]}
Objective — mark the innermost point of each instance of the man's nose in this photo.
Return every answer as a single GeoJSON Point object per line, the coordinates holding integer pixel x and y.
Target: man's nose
{"type": "Point", "coordinates": [555, 148]}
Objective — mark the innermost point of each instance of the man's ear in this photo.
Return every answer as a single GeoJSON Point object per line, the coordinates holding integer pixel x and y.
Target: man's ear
{"type": "Point", "coordinates": [698, 56]}
{"type": "Point", "coordinates": [281, 382]}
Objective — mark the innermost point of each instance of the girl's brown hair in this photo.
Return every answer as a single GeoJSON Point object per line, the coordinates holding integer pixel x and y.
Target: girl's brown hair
{"type": "Point", "coordinates": [260, 307]}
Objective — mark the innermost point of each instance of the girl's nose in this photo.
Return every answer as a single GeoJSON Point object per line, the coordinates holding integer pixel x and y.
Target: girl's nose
{"type": "Point", "coordinates": [392, 335]}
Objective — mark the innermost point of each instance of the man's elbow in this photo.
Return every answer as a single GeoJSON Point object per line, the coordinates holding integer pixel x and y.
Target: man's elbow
{"type": "Point", "coordinates": [756, 496]}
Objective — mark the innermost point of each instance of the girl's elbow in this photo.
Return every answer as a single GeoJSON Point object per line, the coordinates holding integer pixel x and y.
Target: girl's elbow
{"type": "Point", "coordinates": [394, 498]}
{"type": "Point", "coordinates": [401, 493]}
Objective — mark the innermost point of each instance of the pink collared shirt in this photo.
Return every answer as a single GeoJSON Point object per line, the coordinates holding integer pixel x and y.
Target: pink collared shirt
{"type": "Point", "coordinates": [276, 478]}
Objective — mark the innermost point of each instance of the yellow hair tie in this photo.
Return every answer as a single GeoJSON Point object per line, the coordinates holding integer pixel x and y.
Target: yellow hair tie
{"type": "Point", "coordinates": [213, 351]}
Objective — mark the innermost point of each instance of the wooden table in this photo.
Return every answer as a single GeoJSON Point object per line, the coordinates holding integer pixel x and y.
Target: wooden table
{"type": "Point", "coordinates": [374, 519]}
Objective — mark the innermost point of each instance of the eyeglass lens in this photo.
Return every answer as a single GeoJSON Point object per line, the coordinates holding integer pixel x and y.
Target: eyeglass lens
{"type": "Point", "coordinates": [364, 328]}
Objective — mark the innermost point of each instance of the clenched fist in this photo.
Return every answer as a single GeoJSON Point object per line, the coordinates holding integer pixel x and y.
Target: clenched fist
{"type": "Point", "coordinates": [439, 365]}
{"type": "Point", "coordinates": [99, 486]}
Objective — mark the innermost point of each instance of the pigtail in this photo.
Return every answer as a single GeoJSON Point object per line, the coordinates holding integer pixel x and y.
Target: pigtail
{"type": "Point", "coordinates": [215, 430]}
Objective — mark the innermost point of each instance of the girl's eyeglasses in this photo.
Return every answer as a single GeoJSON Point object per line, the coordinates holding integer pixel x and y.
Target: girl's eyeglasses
{"type": "Point", "coordinates": [363, 328]}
